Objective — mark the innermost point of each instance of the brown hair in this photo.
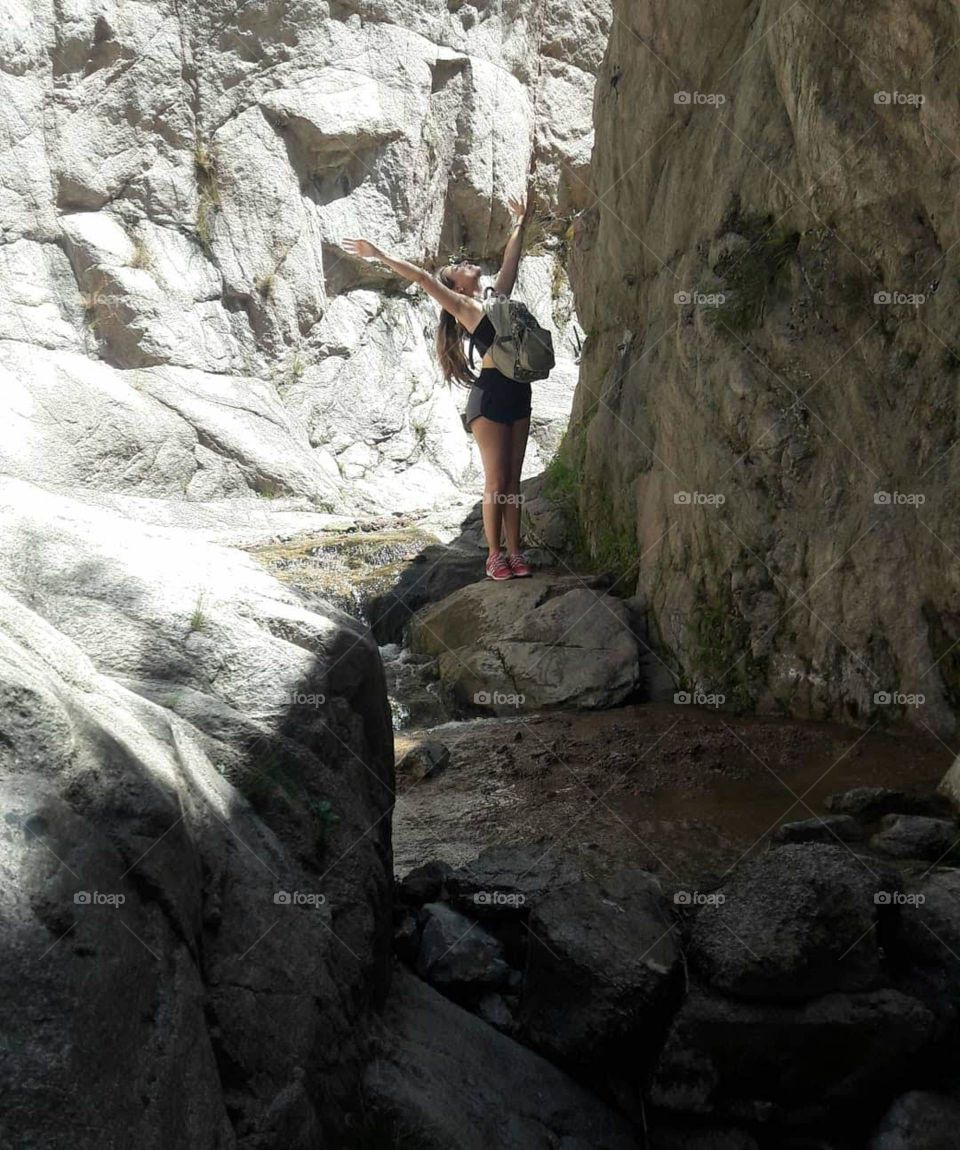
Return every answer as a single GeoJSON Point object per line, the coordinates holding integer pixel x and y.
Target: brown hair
{"type": "Point", "coordinates": [450, 353]}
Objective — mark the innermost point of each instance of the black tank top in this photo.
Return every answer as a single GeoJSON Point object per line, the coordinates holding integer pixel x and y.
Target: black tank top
{"type": "Point", "coordinates": [482, 337]}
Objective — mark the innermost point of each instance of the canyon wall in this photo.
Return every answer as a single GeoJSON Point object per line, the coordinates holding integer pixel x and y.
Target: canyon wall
{"type": "Point", "coordinates": [763, 436]}
{"type": "Point", "coordinates": [196, 761]}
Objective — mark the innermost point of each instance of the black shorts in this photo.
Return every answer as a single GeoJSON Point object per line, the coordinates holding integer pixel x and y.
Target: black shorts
{"type": "Point", "coordinates": [498, 397]}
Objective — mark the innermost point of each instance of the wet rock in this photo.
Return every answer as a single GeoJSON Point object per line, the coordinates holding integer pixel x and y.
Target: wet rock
{"type": "Point", "coordinates": [794, 923]}
{"type": "Point", "coordinates": [449, 1081]}
{"type": "Point", "coordinates": [425, 883]}
{"type": "Point", "coordinates": [919, 1120]}
{"type": "Point", "coordinates": [493, 1009]}
{"type": "Point", "coordinates": [867, 803]}
{"type": "Point", "coordinates": [924, 942]}
{"type": "Point", "coordinates": [508, 881]}
{"type": "Point", "coordinates": [457, 955]}
{"type": "Point", "coordinates": [871, 803]}
{"type": "Point", "coordinates": [914, 836]}
{"type": "Point", "coordinates": [424, 760]}
{"type": "Point", "coordinates": [819, 830]}
{"type": "Point", "coordinates": [601, 970]}
{"type": "Point", "coordinates": [432, 575]}
{"type": "Point", "coordinates": [778, 1062]}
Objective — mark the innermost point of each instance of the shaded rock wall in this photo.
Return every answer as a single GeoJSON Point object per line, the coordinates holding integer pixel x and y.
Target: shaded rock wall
{"type": "Point", "coordinates": [764, 428]}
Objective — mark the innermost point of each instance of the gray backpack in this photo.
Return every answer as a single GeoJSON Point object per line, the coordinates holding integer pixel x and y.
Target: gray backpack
{"type": "Point", "coordinates": [523, 349]}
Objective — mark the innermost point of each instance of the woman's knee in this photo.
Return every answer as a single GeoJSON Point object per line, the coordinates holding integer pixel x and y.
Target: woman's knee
{"type": "Point", "coordinates": [497, 483]}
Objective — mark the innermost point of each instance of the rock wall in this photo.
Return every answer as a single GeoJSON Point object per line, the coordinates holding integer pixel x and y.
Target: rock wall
{"type": "Point", "coordinates": [196, 761]}
{"type": "Point", "coordinates": [177, 316]}
{"type": "Point", "coordinates": [764, 428]}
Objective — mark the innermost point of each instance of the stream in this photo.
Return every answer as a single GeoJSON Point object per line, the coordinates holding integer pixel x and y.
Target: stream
{"type": "Point", "coordinates": [682, 790]}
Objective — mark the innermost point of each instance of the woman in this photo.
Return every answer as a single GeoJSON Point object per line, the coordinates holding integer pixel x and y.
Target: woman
{"type": "Point", "coordinates": [498, 408]}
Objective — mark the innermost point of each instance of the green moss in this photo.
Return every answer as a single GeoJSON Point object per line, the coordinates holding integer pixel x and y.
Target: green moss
{"type": "Point", "coordinates": [721, 656]}
{"type": "Point", "coordinates": [748, 276]}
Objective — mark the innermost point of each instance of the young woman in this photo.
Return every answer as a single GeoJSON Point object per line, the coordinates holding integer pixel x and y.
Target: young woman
{"type": "Point", "coordinates": [498, 408]}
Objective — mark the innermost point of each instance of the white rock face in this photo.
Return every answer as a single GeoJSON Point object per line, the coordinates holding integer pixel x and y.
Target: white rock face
{"type": "Point", "coordinates": [189, 361]}
{"type": "Point", "coordinates": [181, 178]}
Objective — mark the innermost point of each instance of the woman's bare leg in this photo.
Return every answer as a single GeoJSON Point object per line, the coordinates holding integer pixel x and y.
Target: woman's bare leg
{"type": "Point", "coordinates": [519, 431]}
{"type": "Point", "coordinates": [493, 439]}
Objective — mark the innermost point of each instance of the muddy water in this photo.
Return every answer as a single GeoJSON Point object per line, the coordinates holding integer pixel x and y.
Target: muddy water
{"type": "Point", "coordinates": [680, 790]}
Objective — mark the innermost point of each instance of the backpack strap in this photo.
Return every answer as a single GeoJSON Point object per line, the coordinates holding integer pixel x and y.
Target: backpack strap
{"type": "Point", "coordinates": [487, 292]}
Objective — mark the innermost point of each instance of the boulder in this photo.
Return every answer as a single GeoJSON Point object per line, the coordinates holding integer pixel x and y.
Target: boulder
{"type": "Point", "coordinates": [445, 1080]}
{"type": "Point", "coordinates": [793, 923]}
{"type": "Point", "coordinates": [424, 760]}
{"type": "Point", "coordinates": [918, 1120]}
{"type": "Point", "coordinates": [819, 830]}
{"type": "Point", "coordinates": [457, 956]}
{"type": "Point", "coordinates": [870, 803]}
{"type": "Point", "coordinates": [196, 768]}
{"type": "Point", "coordinates": [798, 1063]}
{"type": "Point", "coordinates": [601, 971]}
{"type": "Point", "coordinates": [508, 881]}
{"type": "Point", "coordinates": [546, 641]}
{"type": "Point", "coordinates": [916, 836]}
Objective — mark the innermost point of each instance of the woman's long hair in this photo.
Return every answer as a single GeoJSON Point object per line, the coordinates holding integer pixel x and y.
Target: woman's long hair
{"type": "Point", "coordinates": [450, 353]}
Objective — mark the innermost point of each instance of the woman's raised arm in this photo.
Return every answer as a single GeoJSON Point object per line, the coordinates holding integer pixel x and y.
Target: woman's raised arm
{"type": "Point", "coordinates": [507, 276]}
{"type": "Point", "coordinates": [468, 311]}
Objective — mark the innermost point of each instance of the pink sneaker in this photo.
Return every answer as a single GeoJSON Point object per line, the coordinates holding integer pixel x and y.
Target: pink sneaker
{"type": "Point", "coordinates": [497, 567]}
{"type": "Point", "coordinates": [518, 564]}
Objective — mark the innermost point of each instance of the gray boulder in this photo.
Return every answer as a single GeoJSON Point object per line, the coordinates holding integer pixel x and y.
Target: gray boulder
{"type": "Point", "coordinates": [601, 970]}
{"type": "Point", "coordinates": [546, 641]}
{"type": "Point", "coordinates": [457, 955]}
{"type": "Point", "coordinates": [780, 1062]}
{"type": "Point", "coordinates": [424, 760]}
{"type": "Point", "coordinates": [918, 1120]}
{"type": "Point", "coordinates": [179, 766]}
{"type": "Point", "coordinates": [445, 1080]}
{"type": "Point", "coordinates": [915, 836]}
{"type": "Point", "coordinates": [819, 830]}
{"type": "Point", "coordinates": [794, 923]}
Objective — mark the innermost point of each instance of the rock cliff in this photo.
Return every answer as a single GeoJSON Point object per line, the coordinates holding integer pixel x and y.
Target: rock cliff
{"type": "Point", "coordinates": [197, 761]}
{"type": "Point", "coordinates": [764, 428]}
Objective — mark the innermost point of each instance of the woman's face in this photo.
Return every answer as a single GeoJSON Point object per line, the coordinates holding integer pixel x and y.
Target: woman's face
{"type": "Point", "coordinates": [464, 277]}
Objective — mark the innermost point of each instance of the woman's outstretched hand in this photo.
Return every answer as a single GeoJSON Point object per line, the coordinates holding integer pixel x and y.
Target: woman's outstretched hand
{"type": "Point", "coordinates": [519, 207]}
{"type": "Point", "coordinates": [361, 248]}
